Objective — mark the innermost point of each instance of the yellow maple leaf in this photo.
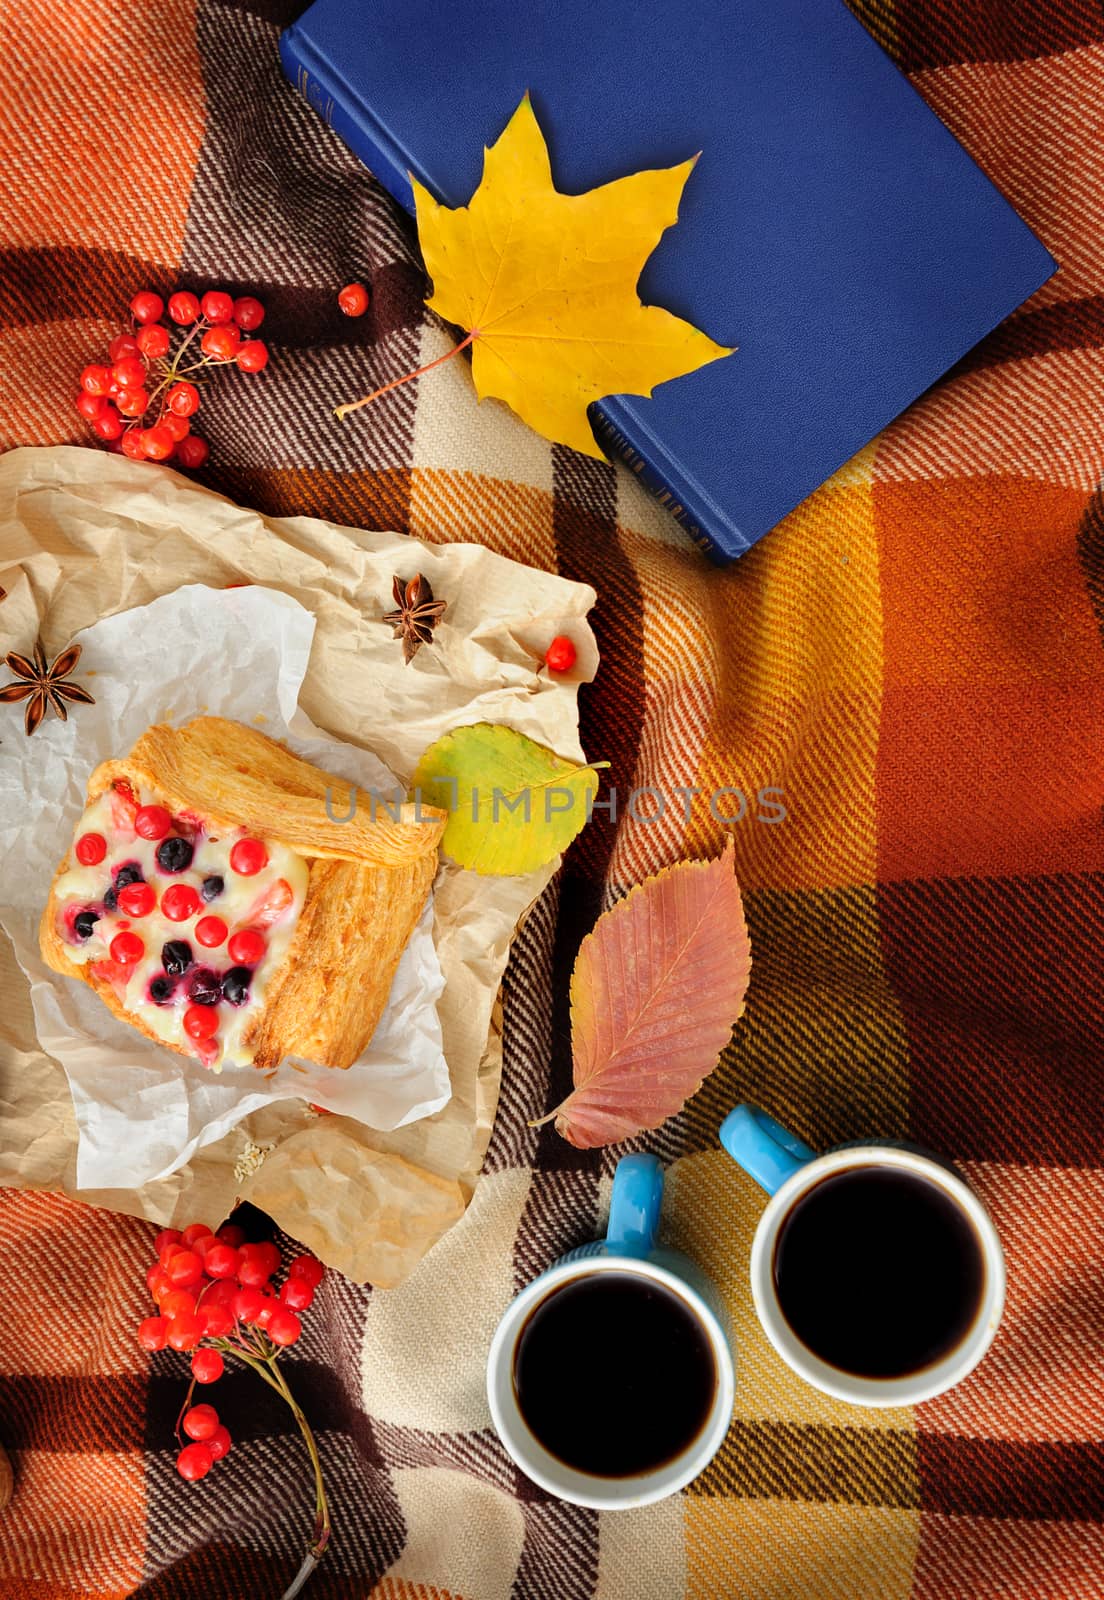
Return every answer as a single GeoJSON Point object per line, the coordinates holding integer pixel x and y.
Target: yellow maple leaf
{"type": "Point", "coordinates": [545, 284]}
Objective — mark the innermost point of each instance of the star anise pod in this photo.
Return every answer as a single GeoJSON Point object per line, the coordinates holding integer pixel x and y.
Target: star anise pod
{"type": "Point", "coordinates": [417, 614]}
{"type": "Point", "coordinates": [42, 685]}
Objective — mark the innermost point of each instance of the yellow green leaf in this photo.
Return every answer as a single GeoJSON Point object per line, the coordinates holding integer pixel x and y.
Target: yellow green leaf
{"type": "Point", "coordinates": [513, 805]}
{"type": "Point", "coordinates": [546, 285]}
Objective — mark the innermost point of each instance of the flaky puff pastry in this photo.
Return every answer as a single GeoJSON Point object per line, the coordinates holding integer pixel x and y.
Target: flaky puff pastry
{"type": "Point", "coordinates": [369, 879]}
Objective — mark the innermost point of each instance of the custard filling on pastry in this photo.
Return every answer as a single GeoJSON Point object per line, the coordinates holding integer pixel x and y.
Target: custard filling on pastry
{"type": "Point", "coordinates": [188, 923]}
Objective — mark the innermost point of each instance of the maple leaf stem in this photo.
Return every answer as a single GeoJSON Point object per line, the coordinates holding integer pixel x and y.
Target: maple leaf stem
{"type": "Point", "coordinates": [354, 405]}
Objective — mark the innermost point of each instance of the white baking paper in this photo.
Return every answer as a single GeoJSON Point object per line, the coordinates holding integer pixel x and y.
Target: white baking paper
{"type": "Point", "coordinates": [143, 1110]}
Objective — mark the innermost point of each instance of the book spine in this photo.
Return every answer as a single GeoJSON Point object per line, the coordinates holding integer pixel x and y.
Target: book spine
{"type": "Point", "coordinates": [680, 505]}
{"type": "Point", "coordinates": [325, 92]}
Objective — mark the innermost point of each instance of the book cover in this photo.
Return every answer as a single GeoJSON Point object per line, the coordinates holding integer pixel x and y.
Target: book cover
{"type": "Point", "coordinates": [833, 229]}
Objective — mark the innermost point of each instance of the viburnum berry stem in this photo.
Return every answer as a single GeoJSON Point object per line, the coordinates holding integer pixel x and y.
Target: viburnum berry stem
{"type": "Point", "coordinates": [354, 405]}
{"type": "Point", "coordinates": [183, 1409]}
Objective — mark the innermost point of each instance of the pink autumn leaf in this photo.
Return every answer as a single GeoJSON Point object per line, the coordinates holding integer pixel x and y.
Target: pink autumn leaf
{"type": "Point", "coordinates": [656, 989]}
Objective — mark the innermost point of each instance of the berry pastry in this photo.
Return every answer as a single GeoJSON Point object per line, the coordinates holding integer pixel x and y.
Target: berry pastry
{"type": "Point", "coordinates": [212, 901]}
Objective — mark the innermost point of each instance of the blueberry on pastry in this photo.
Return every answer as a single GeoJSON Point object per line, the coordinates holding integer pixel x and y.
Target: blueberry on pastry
{"type": "Point", "coordinates": [211, 900]}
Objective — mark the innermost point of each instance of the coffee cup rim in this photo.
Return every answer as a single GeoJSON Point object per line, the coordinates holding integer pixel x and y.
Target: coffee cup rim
{"type": "Point", "coordinates": [913, 1388]}
{"type": "Point", "coordinates": [545, 1469]}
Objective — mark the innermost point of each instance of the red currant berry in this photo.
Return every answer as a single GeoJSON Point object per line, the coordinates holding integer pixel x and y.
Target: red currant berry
{"type": "Point", "coordinates": [207, 1365]}
{"type": "Point", "coordinates": [307, 1268]}
{"type": "Point", "coordinates": [90, 406]}
{"type": "Point", "coordinates": [147, 306]}
{"type": "Point", "coordinates": [252, 1273]}
{"type": "Point", "coordinates": [152, 822]}
{"type": "Point", "coordinates": [221, 1260]}
{"type": "Point", "coordinates": [183, 399]}
{"type": "Point", "coordinates": [195, 1461]}
{"type": "Point", "coordinates": [179, 427]}
{"type": "Point", "coordinates": [126, 949]}
{"type": "Point", "coordinates": [247, 1303]}
{"type": "Point", "coordinates": [153, 341]}
{"type": "Point", "coordinates": [217, 1320]}
{"type": "Point", "coordinates": [253, 357]}
{"type": "Point", "coordinates": [124, 344]}
{"type": "Point", "coordinates": [153, 1333]}
{"type": "Point", "coordinates": [246, 947]}
{"type": "Point", "coordinates": [297, 1294]}
{"type": "Point", "coordinates": [90, 849]}
{"type": "Point", "coordinates": [109, 424]}
{"type": "Point", "coordinates": [221, 343]}
{"type": "Point", "coordinates": [166, 1236]}
{"type": "Point", "coordinates": [132, 402]}
{"type": "Point", "coordinates": [195, 1231]}
{"type": "Point", "coordinates": [219, 1443]}
{"type": "Point", "coordinates": [129, 372]}
{"type": "Point", "coordinates": [200, 1022]}
{"type": "Point", "coordinates": [178, 1303]}
{"type": "Point", "coordinates": [185, 1331]}
{"type": "Point", "coordinates": [248, 313]}
{"type": "Point", "coordinates": [353, 299]}
{"type": "Point", "coordinates": [230, 1233]}
{"type": "Point", "coordinates": [217, 306]}
{"type": "Point", "coordinates": [284, 1327]}
{"type": "Point", "coordinates": [185, 1268]}
{"type": "Point", "coordinates": [248, 857]}
{"type": "Point", "coordinates": [183, 307]}
{"type": "Point", "coordinates": [179, 902]}
{"type": "Point", "coordinates": [560, 655]}
{"type": "Point", "coordinates": [200, 1421]}
{"type": "Point", "coordinates": [210, 932]}
{"type": "Point", "coordinates": [158, 443]}
{"type": "Point", "coordinates": [96, 380]}
{"type": "Point", "coordinates": [193, 452]}
{"type": "Point", "coordinates": [137, 899]}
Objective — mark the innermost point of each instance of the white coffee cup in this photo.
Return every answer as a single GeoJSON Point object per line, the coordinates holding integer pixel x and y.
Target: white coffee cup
{"type": "Point", "coordinates": [788, 1169]}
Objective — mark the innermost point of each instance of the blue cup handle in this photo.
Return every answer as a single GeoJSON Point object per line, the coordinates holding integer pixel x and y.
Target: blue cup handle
{"type": "Point", "coordinates": [763, 1147]}
{"type": "Point", "coordinates": [634, 1206]}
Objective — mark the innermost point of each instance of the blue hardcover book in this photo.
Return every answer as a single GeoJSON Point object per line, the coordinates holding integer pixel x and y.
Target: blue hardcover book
{"type": "Point", "coordinates": [833, 229]}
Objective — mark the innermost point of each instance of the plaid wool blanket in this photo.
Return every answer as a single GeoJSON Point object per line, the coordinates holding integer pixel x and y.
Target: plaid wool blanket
{"type": "Point", "coordinates": [914, 658]}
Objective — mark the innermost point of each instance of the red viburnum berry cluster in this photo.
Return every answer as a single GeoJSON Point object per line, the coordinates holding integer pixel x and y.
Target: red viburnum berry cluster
{"type": "Point", "coordinates": [215, 1297]}
{"type": "Point", "coordinates": [141, 401]}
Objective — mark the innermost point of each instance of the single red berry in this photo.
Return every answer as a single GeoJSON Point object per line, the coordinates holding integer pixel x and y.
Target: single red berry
{"type": "Point", "coordinates": [207, 1365]}
{"type": "Point", "coordinates": [193, 452]}
{"type": "Point", "coordinates": [217, 306]}
{"type": "Point", "coordinates": [179, 902]}
{"type": "Point", "coordinates": [154, 1275]}
{"type": "Point", "coordinates": [284, 1328]}
{"type": "Point", "coordinates": [158, 443]}
{"type": "Point", "coordinates": [124, 344]}
{"type": "Point", "coordinates": [210, 932]}
{"type": "Point", "coordinates": [217, 1320]}
{"type": "Point", "coordinates": [153, 1333]}
{"type": "Point", "coordinates": [253, 357]}
{"type": "Point", "coordinates": [297, 1294]}
{"type": "Point", "coordinates": [160, 1286]}
{"type": "Point", "coordinates": [246, 947]}
{"type": "Point", "coordinates": [307, 1268]}
{"type": "Point", "coordinates": [166, 1236]}
{"type": "Point", "coordinates": [90, 406]}
{"type": "Point", "coordinates": [96, 380]}
{"type": "Point", "coordinates": [248, 313]}
{"type": "Point", "coordinates": [219, 1443]}
{"type": "Point", "coordinates": [353, 299]}
{"type": "Point", "coordinates": [179, 427]}
{"type": "Point", "coordinates": [183, 307]}
{"type": "Point", "coordinates": [178, 1303]}
{"type": "Point", "coordinates": [131, 444]}
{"type": "Point", "coordinates": [195, 1461]}
{"type": "Point", "coordinates": [147, 306]}
{"type": "Point", "coordinates": [560, 655]}
{"type": "Point", "coordinates": [171, 1247]}
{"type": "Point", "coordinates": [185, 1331]}
{"type": "Point", "coordinates": [183, 399]}
{"type": "Point", "coordinates": [203, 1245]}
{"type": "Point", "coordinates": [268, 1311]}
{"type": "Point", "coordinates": [230, 1233]}
{"type": "Point", "coordinates": [109, 424]}
{"type": "Point", "coordinates": [152, 822]}
{"type": "Point", "coordinates": [200, 1022]}
{"type": "Point", "coordinates": [248, 857]}
{"type": "Point", "coordinates": [221, 343]}
{"type": "Point", "coordinates": [247, 1303]}
{"type": "Point", "coordinates": [129, 372]}
{"type": "Point", "coordinates": [90, 849]}
{"type": "Point", "coordinates": [221, 1260]}
{"type": "Point", "coordinates": [132, 402]}
{"type": "Point", "coordinates": [221, 1292]}
{"type": "Point", "coordinates": [269, 1253]}
{"type": "Point", "coordinates": [153, 341]}
{"type": "Point", "coordinates": [252, 1273]}
{"type": "Point", "coordinates": [137, 899]}
{"type": "Point", "coordinates": [126, 949]}
{"type": "Point", "coordinates": [194, 1231]}
{"type": "Point", "coordinates": [200, 1421]}
{"type": "Point", "coordinates": [185, 1267]}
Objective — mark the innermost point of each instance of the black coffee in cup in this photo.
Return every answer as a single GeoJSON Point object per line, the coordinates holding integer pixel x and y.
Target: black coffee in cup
{"type": "Point", "coordinates": [878, 1271]}
{"type": "Point", "coordinates": [614, 1374]}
